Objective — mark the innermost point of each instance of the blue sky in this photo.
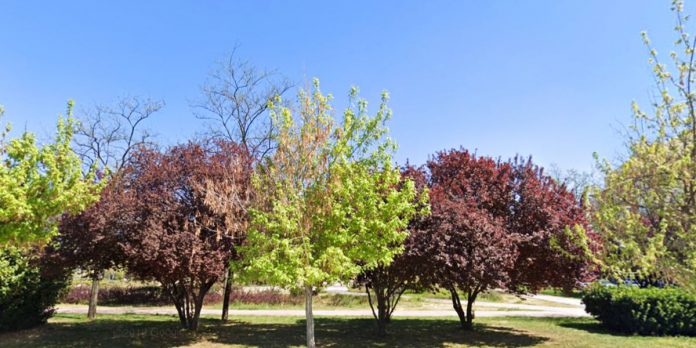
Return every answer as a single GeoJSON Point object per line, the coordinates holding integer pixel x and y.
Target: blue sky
{"type": "Point", "coordinates": [547, 78]}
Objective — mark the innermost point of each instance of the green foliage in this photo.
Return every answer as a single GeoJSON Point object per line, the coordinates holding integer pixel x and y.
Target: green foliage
{"type": "Point", "coordinates": [646, 209]}
{"type": "Point", "coordinates": [646, 311]}
{"type": "Point", "coordinates": [331, 201]}
{"type": "Point", "coordinates": [29, 288]}
{"type": "Point", "coordinates": [39, 183]}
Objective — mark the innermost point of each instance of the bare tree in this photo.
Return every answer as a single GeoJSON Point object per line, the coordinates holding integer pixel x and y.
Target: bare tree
{"type": "Point", "coordinates": [235, 104]}
{"type": "Point", "coordinates": [576, 182]}
{"type": "Point", "coordinates": [106, 137]}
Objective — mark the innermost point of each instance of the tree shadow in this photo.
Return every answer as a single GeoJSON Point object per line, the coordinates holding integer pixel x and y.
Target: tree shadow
{"type": "Point", "coordinates": [103, 332]}
{"type": "Point", "coordinates": [165, 331]}
{"type": "Point", "coordinates": [338, 332]}
{"type": "Point", "coordinates": [594, 327]}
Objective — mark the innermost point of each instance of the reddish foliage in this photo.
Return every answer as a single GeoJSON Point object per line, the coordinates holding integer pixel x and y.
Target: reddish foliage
{"type": "Point", "coordinates": [154, 296]}
{"type": "Point", "coordinates": [542, 210]}
{"type": "Point", "coordinates": [119, 295]}
{"type": "Point", "coordinates": [263, 297]}
{"type": "Point", "coordinates": [171, 225]}
{"type": "Point", "coordinates": [491, 226]}
{"type": "Point", "coordinates": [89, 240]}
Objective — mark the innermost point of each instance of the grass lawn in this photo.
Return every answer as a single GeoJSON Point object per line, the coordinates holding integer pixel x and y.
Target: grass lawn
{"type": "Point", "coordinates": [341, 301]}
{"type": "Point", "coordinates": [163, 331]}
{"type": "Point", "coordinates": [558, 292]}
{"type": "Point", "coordinates": [321, 301]}
{"type": "Point", "coordinates": [489, 296]}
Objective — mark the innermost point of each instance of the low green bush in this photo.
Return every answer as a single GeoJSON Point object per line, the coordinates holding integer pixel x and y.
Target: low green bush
{"type": "Point", "coordinates": [30, 286]}
{"type": "Point", "coordinates": [645, 311]}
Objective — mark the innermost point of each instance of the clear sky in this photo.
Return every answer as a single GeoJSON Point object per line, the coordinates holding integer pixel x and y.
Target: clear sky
{"type": "Point", "coordinates": [548, 78]}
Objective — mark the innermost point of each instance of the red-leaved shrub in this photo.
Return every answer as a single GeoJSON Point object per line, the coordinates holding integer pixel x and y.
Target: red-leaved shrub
{"type": "Point", "coordinates": [154, 296]}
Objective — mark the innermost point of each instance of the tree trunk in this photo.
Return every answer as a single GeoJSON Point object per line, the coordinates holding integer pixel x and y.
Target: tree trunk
{"type": "Point", "coordinates": [457, 304]}
{"type": "Point", "coordinates": [466, 318]}
{"type": "Point", "coordinates": [226, 294]}
{"type": "Point", "coordinates": [382, 313]}
{"type": "Point", "coordinates": [94, 296]}
{"type": "Point", "coordinates": [470, 312]}
{"type": "Point", "coordinates": [309, 317]}
{"type": "Point", "coordinates": [198, 306]}
{"type": "Point", "coordinates": [182, 315]}
{"type": "Point", "coordinates": [382, 327]}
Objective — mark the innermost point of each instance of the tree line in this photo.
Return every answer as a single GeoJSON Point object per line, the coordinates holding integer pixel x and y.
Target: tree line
{"type": "Point", "coordinates": [324, 204]}
{"type": "Point", "coordinates": [289, 192]}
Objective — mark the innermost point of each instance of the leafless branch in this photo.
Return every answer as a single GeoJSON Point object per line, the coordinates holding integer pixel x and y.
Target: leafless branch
{"type": "Point", "coordinates": [235, 100]}
{"type": "Point", "coordinates": [107, 135]}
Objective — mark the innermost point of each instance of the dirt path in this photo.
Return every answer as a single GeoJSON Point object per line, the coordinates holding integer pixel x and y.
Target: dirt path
{"type": "Point", "coordinates": [558, 299]}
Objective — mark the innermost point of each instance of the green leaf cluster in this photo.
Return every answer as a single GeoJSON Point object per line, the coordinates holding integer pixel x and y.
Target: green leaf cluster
{"type": "Point", "coordinates": [331, 202]}
{"type": "Point", "coordinates": [646, 209]}
{"type": "Point", "coordinates": [39, 183]}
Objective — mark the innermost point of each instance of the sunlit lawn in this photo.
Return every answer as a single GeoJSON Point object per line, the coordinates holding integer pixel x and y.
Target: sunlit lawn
{"type": "Point", "coordinates": [490, 296]}
{"type": "Point", "coordinates": [163, 331]}
{"type": "Point", "coordinates": [357, 301]}
{"type": "Point", "coordinates": [321, 301]}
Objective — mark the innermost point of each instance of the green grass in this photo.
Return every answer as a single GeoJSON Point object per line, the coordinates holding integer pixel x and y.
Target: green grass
{"type": "Point", "coordinates": [163, 331]}
{"type": "Point", "coordinates": [321, 301]}
{"type": "Point", "coordinates": [489, 296]}
{"type": "Point", "coordinates": [559, 292]}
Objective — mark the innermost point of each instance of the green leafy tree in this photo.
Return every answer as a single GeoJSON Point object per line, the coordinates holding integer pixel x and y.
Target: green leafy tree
{"type": "Point", "coordinates": [39, 183]}
{"type": "Point", "coordinates": [330, 204]}
{"type": "Point", "coordinates": [646, 210]}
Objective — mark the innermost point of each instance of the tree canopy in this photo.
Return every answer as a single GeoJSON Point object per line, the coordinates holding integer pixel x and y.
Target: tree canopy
{"type": "Point", "coordinates": [39, 183]}
{"type": "Point", "coordinates": [329, 204]}
{"type": "Point", "coordinates": [168, 221]}
{"type": "Point", "coordinates": [646, 207]}
{"type": "Point", "coordinates": [501, 225]}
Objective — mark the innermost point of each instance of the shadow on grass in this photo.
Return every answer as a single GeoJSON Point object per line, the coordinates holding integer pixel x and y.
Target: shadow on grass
{"type": "Point", "coordinates": [335, 332]}
{"type": "Point", "coordinates": [330, 332]}
{"type": "Point", "coordinates": [596, 328]}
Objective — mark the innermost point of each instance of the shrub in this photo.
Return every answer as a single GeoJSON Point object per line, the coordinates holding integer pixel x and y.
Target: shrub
{"type": "Point", "coordinates": [119, 295]}
{"type": "Point", "coordinates": [646, 311]}
{"type": "Point", "coordinates": [154, 296]}
{"type": "Point", "coordinates": [30, 286]}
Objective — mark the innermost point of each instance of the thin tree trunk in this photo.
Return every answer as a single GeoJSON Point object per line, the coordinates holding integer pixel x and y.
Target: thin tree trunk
{"type": "Point", "coordinates": [226, 294]}
{"type": "Point", "coordinates": [174, 295]}
{"type": "Point", "coordinates": [470, 312]}
{"type": "Point", "coordinates": [369, 300]}
{"type": "Point", "coordinates": [309, 317]}
{"type": "Point", "coordinates": [94, 296]}
{"type": "Point", "coordinates": [193, 325]}
{"type": "Point", "coordinates": [457, 304]}
{"type": "Point", "coordinates": [182, 315]}
{"type": "Point", "coordinates": [398, 295]}
{"type": "Point", "coordinates": [188, 313]}
{"type": "Point", "coordinates": [382, 312]}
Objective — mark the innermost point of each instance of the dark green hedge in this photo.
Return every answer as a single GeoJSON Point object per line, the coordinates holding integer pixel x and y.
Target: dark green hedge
{"type": "Point", "coordinates": [29, 288]}
{"type": "Point", "coordinates": [645, 311]}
